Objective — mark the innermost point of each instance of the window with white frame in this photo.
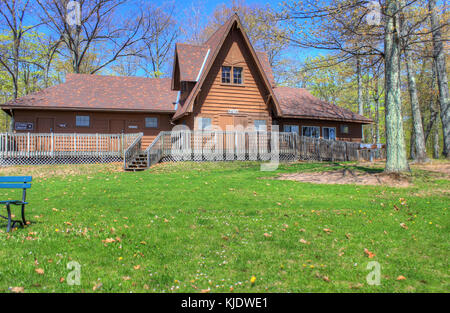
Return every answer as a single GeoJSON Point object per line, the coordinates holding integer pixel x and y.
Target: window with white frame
{"type": "Point", "coordinates": [291, 129]}
{"type": "Point", "coordinates": [204, 123]}
{"type": "Point", "coordinates": [237, 75]}
{"type": "Point", "coordinates": [329, 133]}
{"type": "Point", "coordinates": [151, 122]}
{"type": "Point", "coordinates": [226, 74]}
{"type": "Point", "coordinates": [82, 121]}
{"type": "Point", "coordinates": [311, 131]}
{"type": "Point", "coordinates": [260, 125]}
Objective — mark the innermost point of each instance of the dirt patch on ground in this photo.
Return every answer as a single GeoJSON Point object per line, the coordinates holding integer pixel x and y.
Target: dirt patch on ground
{"type": "Point", "coordinates": [438, 167]}
{"type": "Point", "coordinates": [348, 176]}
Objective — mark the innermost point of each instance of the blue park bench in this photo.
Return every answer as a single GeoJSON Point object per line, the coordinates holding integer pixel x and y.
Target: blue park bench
{"type": "Point", "coordinates": [15, 182]}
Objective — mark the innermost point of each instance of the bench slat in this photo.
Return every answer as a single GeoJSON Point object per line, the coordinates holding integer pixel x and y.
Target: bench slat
{"type": "Point", "coordinates": [21, 186]}
{"type": "Point", "coordinates": [15, 179]}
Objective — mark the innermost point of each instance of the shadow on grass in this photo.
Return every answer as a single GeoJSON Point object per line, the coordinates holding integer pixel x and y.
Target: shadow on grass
{"type": "Point", "coordinates": [18, 225]}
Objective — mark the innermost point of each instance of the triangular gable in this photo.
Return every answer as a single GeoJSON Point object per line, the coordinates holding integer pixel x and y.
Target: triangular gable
{"type": "Point", "coordinates": [188, 62]}
{"type": "Point", "coordinates": [215, 42]}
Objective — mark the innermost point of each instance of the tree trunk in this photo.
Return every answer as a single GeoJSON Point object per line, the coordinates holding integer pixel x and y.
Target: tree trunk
{"type": "Point", "coordinates": [418, 148]}
{"type": "Point", "coordinates": [360, 97]}
{"type": "Point", "coordinates": [395, 141]}
{"type": "Point", "coordinates": [420, 154]}
{"type": "Point", "coordinates": [441, 71]}
{"type": "Point", "coordinates": [377, 110]}
{"type": "Point", "coordinates": [434, 110]}
{"type": "Point", "coordinates": [436, 142]}
{"type": "Point", "coordinates": [412, 143]}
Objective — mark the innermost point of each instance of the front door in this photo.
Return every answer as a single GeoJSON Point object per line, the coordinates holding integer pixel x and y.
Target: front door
{"type": "Point", "coordinates": [240, 122]}
{"type": "Point", "coordinates": [45, 125]}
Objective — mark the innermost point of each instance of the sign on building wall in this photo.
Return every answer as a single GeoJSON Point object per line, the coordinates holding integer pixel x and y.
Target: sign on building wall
{"type": "Point", "coordinates": [23, 126]}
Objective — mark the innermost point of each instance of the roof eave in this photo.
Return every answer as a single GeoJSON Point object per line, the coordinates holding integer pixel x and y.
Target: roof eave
{"type": "Point", "coordinates": [85, 109]}
{"type": "Point", "coordinates": [326, 118]}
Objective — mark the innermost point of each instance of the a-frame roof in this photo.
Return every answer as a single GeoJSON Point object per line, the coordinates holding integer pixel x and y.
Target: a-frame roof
{"type": "Point", "coordinates": [215, 43]}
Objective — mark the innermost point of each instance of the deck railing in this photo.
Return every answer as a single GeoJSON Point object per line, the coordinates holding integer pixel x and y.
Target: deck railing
{"type": "Point", "coordinates": [133, 150]}
{"type": "Point", "coordinates": [32, 145]}
{"type": "Point", "coordinates": [154, 151]}
{"type": "Point", "coordinates": [256, 145]}
{"type": "Point", "coordinates": [30, 148]}
{"type": "Point", "coordinates": [219, 146]}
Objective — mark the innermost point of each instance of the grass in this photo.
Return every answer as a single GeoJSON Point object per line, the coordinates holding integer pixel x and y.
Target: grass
{"type": "Point", "coordinates": [190, 227]}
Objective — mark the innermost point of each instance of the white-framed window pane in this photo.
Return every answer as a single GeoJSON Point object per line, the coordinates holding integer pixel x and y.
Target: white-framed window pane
{"type": "Point", "coordinates": [291, 129]}
{"type": "Point", "coordinates": [151, 122]}
{"type": "Point", "coordinates": [311, 131]}
{"type": "Point", "coordinates": [204, 123]}
{"type": "Point", "coordinates": [329, 133]}
{"type": "Point", "coordinates": [82, 121]}
{"type": "Point", "coordinates": [226, 74]}
{"type": "Point", "coordinates": [260, 125]}
{"type": "Point", "coordinates": [237, 75]}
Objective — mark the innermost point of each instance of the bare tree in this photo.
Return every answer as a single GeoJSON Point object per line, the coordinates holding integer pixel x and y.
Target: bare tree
{"type": "Point", "coordinates": [161, 36]}
{"type": "Point", "coordinates": [12, 16]}
{"type": "Point", "coordinates": [101, 28]}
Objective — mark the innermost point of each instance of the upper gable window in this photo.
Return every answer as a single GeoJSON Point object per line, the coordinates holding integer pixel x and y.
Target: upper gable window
{"type": "Point", "coordinates": [237, 75]}
{"type": "Point", "coordinates": [226, 74]}
{"type": "Point", "coordinates": [236, 79]}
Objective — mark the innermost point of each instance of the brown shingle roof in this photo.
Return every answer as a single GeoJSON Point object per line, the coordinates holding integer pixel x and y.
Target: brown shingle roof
{"type": "Point", "coordinates": [299, 103]}
{"type": "Point", "coordinates": [190, 58]}
{"type": "Point", "coordinates": [94, 92]}
{"type": "Point", "coordinates": [264, 60]}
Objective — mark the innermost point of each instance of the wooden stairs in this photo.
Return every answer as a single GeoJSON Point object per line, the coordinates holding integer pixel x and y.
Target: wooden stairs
{"type": "Point", "coordinates": [138, 164]}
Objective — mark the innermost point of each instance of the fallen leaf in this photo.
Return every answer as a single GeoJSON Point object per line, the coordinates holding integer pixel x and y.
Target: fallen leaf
{"type": "Point", "coordinates": [17, 289]}
{"type": "Point", "coordinates": [62, 279]}
{"type": "Point", "coordinates": [137, 267]}
{"type": "Point", "coordinates": [267, 235]}
{"type": "Point", "coordinates": [356, 286]}
{"type": "Point", "coordinates": [401, 277]}
{"type": "Point", "coordinates": [97, 286]}
{"type": "Point", "coordinates": [40, 271]}
{"type": "Point", "coordinates": [205, 290]}
{"type": "Point", "coordinates": [327, 230]}
{"type": "Point", "coordinates": [303, 241]}
{"type": "Point", "coordinates": [126, 277]}
{"type": "Point", "coordinates": [368, 253]}
{"type": "Point", "coordinates": [403, 225]}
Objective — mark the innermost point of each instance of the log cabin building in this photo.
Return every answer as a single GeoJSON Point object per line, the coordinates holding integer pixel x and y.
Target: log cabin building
{"type": "Point", "coordinates": [221, 83]}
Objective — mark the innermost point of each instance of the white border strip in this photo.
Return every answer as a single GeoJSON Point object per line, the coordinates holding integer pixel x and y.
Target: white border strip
{"type": "Point", "coordinates": [178, 99]}
{"type": "Point", "coordinates": [203, 65]}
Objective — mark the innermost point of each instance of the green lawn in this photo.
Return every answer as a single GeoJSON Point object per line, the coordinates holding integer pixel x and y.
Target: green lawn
{"type": "Point", "coordinates": [190, 227]}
